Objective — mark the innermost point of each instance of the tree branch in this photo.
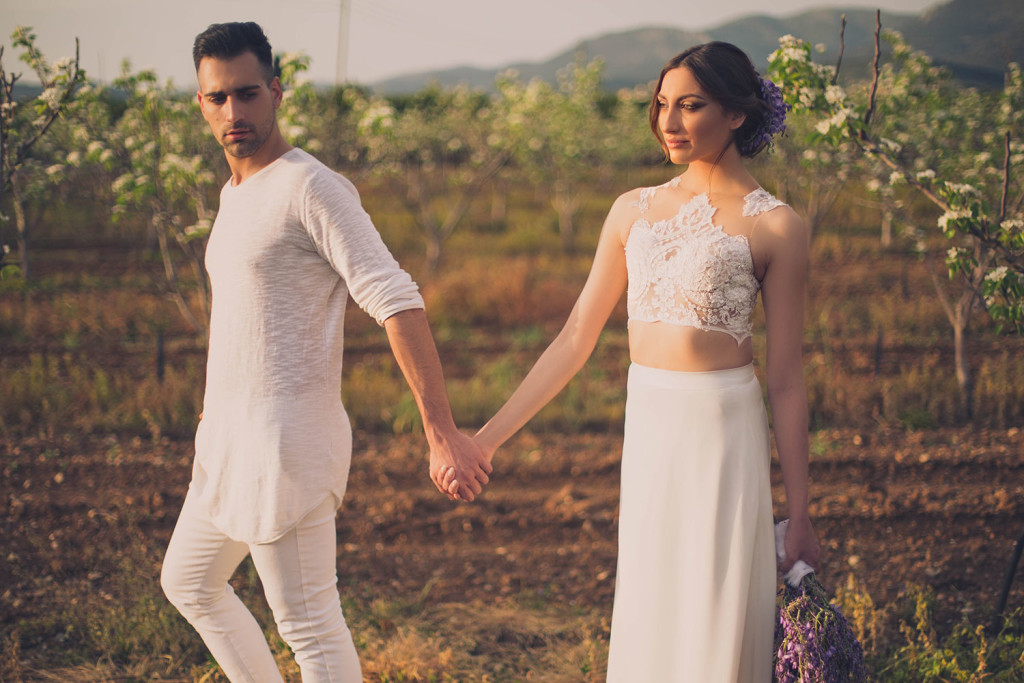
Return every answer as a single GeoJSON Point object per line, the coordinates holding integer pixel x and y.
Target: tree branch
{"type": "Point", "coordinates": [842, 47]}
{"type": "Point", "coordinates": [874, 66]}
{"type": "Point", "coordinates": [1006, 178]}
{"type": "Point", "coordinates": [69, 91]}
{"type": "Point", "coordinates": [940, 290]}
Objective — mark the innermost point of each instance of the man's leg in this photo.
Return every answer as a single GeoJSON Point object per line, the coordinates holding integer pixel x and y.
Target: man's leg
{"type": "Point", "coordinates": [301, 583]}
{"type": "Point", "coordinates": [197, 566]}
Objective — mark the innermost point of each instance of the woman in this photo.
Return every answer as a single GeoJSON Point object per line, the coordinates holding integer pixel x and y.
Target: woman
{"type": "Point", "coordinates": [696, 576]}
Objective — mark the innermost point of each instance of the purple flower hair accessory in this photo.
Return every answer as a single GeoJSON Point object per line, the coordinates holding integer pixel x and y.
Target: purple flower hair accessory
{"type": "Point", "coordinates": [774, 121]}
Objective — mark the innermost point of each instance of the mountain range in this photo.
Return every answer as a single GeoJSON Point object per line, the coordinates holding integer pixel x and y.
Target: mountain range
{"type": "Point", "coordinates": [974, 38]}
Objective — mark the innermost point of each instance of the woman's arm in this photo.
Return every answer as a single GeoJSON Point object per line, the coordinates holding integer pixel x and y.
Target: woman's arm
{"type": "Point", "coordinates": [570, 349]}
{"type": "Point", "coordinates": [783, 239]}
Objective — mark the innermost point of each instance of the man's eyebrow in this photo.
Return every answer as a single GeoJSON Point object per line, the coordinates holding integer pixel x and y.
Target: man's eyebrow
{"type": "Point", "coordinates": [237, 91]}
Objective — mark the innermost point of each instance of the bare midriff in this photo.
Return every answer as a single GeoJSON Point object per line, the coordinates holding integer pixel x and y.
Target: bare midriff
{"type": "Point", "coordinates": [685, 349]}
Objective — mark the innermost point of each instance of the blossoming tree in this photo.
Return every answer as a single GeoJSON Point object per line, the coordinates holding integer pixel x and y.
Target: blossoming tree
{"type": "Point", "coordinates": [23, 125]}
{"type": "Point", "coordinates": [559, 137]}
{"type": "Point", "coordinates": [167, 161]}
{"type": "Point", "coordinates": [159, 145]}
{"type": "Point", "coordinates": [951, 145]}
{"type": "Point", "coordinates": [439, 147]}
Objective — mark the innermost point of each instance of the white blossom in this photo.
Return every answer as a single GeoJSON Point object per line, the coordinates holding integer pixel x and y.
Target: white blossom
{"type": "Point", "coordinates": [952, 215]}
{"type": "Point", "coordinates": [961, 188]}
{"type": "Point", "coordinates": [893, 146]}
{"type": "Point", "coordinates": [927, 174]}
{"type": "Point", "coordinates": [54, 169]}
{"type": "Point", "coordinates": [51, 98]}
{"type": "Point", "coordinates": [895, 178]}
{"type": "Point", "coordinates": [997, 274]}
{"type": "Point", "coordinates": [834, 94]}
{"type": "Point", "coordinates": [123, 183]}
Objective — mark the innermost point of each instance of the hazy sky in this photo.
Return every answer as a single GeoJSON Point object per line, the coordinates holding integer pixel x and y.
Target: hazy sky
{"type": "Point", "coordinates": [386, 38]}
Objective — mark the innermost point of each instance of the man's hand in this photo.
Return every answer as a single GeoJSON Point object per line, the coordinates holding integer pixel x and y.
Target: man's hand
{"type": "Point", "coordinates": [458, 467]}
{"type": "Point", "coordinates": [416, 354]}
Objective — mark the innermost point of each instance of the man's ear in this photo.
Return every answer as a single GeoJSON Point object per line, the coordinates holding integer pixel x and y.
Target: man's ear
{"type": "Point", "coordinates": [277, 90]}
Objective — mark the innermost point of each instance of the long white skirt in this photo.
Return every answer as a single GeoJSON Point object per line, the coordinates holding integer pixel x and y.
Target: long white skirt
{"type": "Point", "coordinates": [695, 588]}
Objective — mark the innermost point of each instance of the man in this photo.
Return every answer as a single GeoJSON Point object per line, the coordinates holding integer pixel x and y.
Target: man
{"type": "Point", "coordinates": [290, 243]}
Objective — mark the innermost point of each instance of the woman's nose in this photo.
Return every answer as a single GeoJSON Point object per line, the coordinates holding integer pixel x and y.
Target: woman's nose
{"type": "Point", "coordinates": [671, 121]}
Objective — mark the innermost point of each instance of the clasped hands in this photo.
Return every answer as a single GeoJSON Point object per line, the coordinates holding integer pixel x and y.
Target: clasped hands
{"type": "Point", "coordinates": [459, 467]}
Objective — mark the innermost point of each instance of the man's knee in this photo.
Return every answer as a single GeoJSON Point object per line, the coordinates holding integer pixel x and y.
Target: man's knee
{"type": "Point", "coordinates": [312, 623]}
{"type": "Point", "coordinates": [172, 584]}
{"type": "Point", "coordinates": [187, 594]}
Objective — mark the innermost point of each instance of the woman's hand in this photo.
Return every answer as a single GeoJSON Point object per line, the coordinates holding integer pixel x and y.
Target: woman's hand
{"type": "Point", "coordinates": [801, 544]}
{"type": "Point", "coordinates": [447, 480]}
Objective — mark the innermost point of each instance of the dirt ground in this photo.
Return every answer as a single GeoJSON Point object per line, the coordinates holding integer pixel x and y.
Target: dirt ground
{"type": "Point", "coordinates": [940, 508]}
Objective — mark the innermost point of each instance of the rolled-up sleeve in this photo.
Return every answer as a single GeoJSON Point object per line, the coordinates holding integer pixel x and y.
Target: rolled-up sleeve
{"type": "Point", "coordinates": [345, 237]}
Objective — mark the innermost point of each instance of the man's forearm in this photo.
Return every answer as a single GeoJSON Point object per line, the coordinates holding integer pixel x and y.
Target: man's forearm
{"type": "Point", "coordinates": [414, 349]}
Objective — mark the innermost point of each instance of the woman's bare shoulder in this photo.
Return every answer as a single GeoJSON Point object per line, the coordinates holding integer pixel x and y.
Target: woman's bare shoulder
{"type": "Point", "coordinates": [783, 223]}
{"type": "Point", "coordinates": [624, 212]}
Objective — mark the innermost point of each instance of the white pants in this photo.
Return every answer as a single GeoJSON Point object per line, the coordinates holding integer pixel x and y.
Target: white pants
{"type": "Point", "coordinates": [299, 580]}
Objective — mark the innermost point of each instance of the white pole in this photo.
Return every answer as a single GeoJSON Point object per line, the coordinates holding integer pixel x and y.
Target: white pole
{"type": "Point", "coordinates": [341, 71]}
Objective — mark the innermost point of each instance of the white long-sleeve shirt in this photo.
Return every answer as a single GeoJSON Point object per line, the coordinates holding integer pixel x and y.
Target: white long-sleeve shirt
{"type": "Point", "coordinates": [289, 245]}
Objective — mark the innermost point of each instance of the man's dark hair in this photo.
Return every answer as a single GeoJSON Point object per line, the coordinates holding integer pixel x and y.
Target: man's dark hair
{"type": "Point", "coordinates": [227, 41]}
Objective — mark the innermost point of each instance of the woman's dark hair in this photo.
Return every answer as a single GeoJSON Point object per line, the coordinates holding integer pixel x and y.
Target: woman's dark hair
{"type": "Point", "coordinates": [227, 41]}
{"type": "Point", "coordinates": [727, 75]}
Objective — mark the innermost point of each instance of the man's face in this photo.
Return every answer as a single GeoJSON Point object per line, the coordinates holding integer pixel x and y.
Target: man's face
{"type": "Point", "coordinates": [238, 103]}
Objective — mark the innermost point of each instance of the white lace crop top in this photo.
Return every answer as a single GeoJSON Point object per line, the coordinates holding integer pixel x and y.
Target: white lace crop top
{"type": "Point", "coordinates": [685, 270]}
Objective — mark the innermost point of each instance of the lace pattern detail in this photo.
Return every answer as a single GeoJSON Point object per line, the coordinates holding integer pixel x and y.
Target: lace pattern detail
{"type": "Point", "coordinates": [759, 201]}
{"type": "Point", "coordinates": [685, 270]}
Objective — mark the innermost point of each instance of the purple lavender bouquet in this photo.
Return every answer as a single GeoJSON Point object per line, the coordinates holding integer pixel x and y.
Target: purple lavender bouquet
{"type": "Point", "coordinates": [813, 641]}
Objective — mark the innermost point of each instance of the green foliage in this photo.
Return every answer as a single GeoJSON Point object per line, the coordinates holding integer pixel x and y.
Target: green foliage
{"type": "Point", "coordinates": [24, 171]}
{"type": "Point", "coordinates": [956, 146]}
{"type": "Point", "coordinates": [902, 643]}
{"type": "Point", "coordinates": [439, 147]}
{"type": "Point", "coordinates": [562, 137]}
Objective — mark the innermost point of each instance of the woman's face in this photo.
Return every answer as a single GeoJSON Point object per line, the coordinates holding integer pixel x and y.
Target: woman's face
{"type": "Point", "coordinates": [694, 127]}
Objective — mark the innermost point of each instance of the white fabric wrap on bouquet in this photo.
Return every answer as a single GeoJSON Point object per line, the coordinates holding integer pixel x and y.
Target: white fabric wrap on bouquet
{"type": "Point", "coordinates": [799, 570]}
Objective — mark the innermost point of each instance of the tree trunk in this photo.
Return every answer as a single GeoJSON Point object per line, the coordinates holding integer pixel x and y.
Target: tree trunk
{"type": "Point", "coordinates": [499, 202]}
{"type": "Point", "coordinates": [566, 204]}
{"type": "Point", "coordinates": [433, 252]}
{"type": "Point", "coordinates": [886, 228]}
{"type": "Point", "coordinates": [964, 380]}
{"type": "Point", "coordinates": [21, 224]}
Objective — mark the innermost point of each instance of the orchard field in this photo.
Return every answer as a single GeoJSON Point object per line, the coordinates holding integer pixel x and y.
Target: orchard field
{"type": "Point", "coordinates": [917, 475]}
{"type": "Point", "coordinates": [914, 510]}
